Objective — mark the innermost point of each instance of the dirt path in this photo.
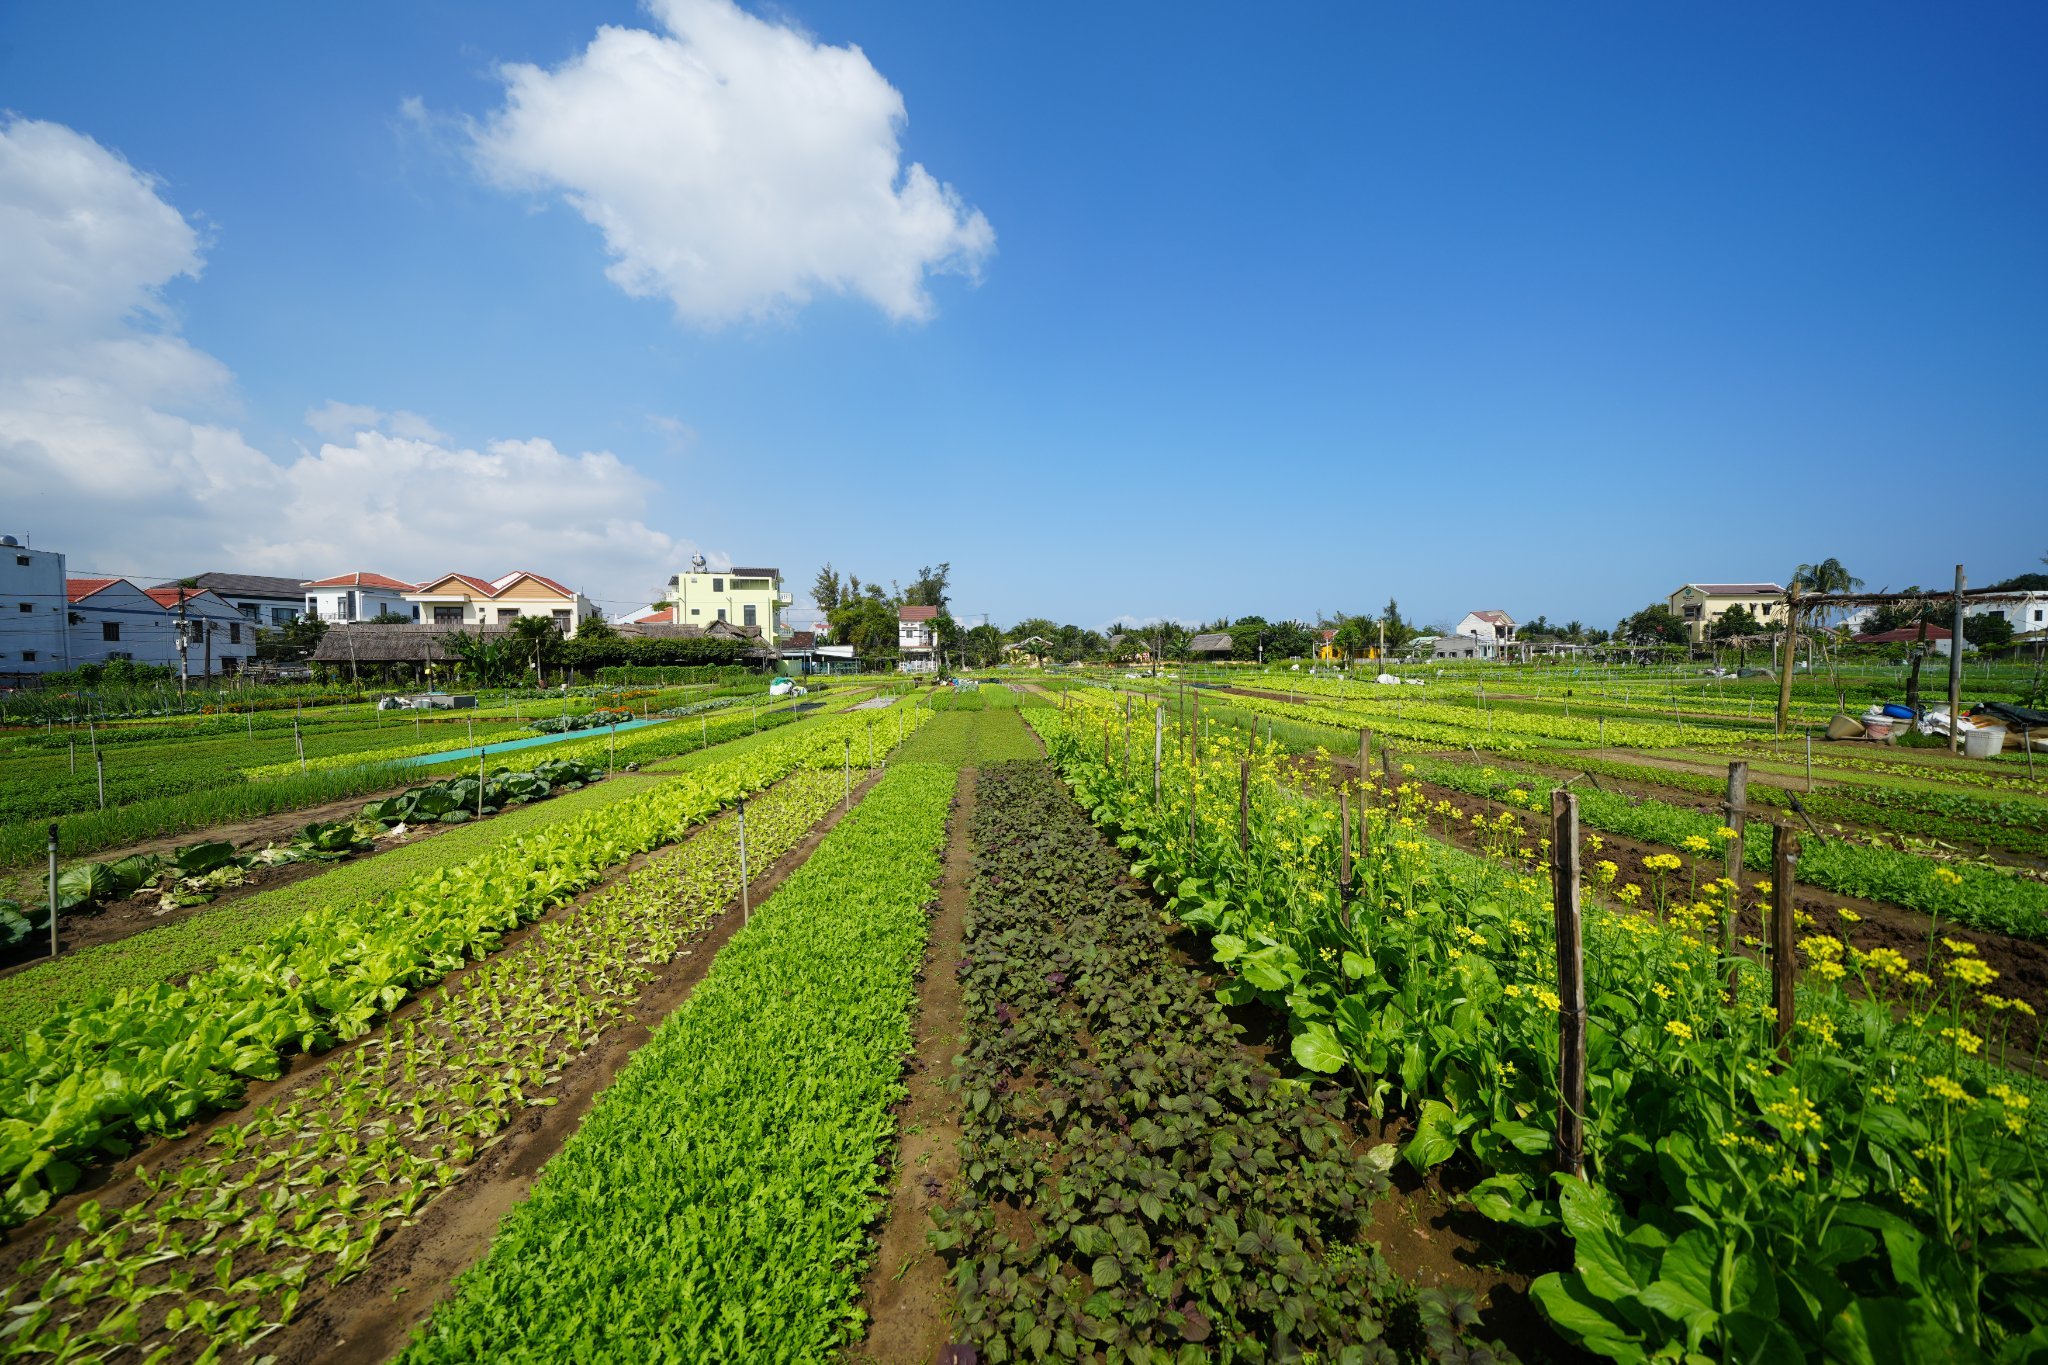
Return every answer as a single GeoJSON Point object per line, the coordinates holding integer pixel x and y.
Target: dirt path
{"type": "Point", "coordinates": [371, 1317]}
{"type": "Point", "coordinates": [908, 1298]}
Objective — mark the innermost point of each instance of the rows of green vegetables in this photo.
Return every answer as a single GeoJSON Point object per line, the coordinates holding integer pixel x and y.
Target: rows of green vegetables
{"type": "Point", "coordinates": [149, 1060]}
{"type": "Point", "coordinates": [715, 1203]}
{"type": "Point", "coordinates": [1871, 1194]}
{"type": "Point", "coordinates": [224, 1245]}
{"type": "Point", "coordinates": [177, 949]}
{"type": "Point", "coordinates": [1137, 1181]}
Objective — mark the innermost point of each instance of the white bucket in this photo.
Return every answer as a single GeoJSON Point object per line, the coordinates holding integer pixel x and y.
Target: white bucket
{"type": "Point", "coordinates": [1984, 741]}
{"type": "Point", "coordinates": [1877, 729]}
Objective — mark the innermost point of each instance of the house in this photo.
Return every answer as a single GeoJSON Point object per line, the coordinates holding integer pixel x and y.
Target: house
{"type": "Point", "coordinates": [1215, 644]}
{"type": "Point", "coordinates": [2027, 611]}
{"type": "Point", "coordinates": [1033, 651]}
{"type": "Point", "coordinates": [917, 639]}
{"type": "Point", "coordinates": [745, 597]}
{"type": "Point", "coordinates": [1462, 646]}
{"type": "Point", "coordinates": [1494, 627]}
{"type": "Point", "coordinates": [111, 618]}
{"type": "Point", "coordinates": [260, 598]}
{"type": "Point", "coordinates": [358, 597]}
{"type": "Point", "coordinates": [36, 635]}
{"type": "Point", "coordinates": [459, 599]}
{"type": "Point", "coordinates": [1702, 604]}
{"type": "Point", "coordinates": [1128, 648]}
{"type": "Point", "coordinates": [1938, 638]}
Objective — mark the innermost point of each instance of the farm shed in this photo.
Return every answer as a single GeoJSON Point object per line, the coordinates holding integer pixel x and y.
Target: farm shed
{"type": "Point", "coordinates": [1214, 645]}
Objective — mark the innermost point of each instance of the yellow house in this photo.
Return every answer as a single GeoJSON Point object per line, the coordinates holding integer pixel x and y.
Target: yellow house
{"type": "Point", "coordinates": [1702, 604]}
{"type": "Point", "coordinates": [744, 597]}
{"type": "Point", "coordinates": [458, 599]}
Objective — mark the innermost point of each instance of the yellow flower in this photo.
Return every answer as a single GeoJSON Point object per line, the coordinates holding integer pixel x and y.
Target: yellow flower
{"type": "Point", "coordinates": [1973, 971]}
{"type": "Point", "coordinates": [1948, 877]}
{"type": "Point", "coordinates": [1830, 971]}
{"type": "Point", "coordinates": [1548, 998]}
{"type": "Point", "coordinates": [1725, 833]}
{"type": "Point", "coordinates": [1631, 893]}
{"type": "Point", "coordinates": [1964, 1039]}
{"type": "Point", "coordinates": [1949, 1090]}
{"type": "Point", "coordinates": [1693, 843]}
{"type": "Point", "coordinates": [1849, 917]}
{"type": "Point", "coordinates": [1595, 842]}
{"type": "Point", "coordinates": [2007, 1096]}
{"type": "Point", "coordinates": [1662, 862]}
{"type": "Point", "coordinates": [1887, 960]}
{"type": "Point", "coordinates": [1679, 1030]}
{"type": "Point", "coordinates": [1662, 991]}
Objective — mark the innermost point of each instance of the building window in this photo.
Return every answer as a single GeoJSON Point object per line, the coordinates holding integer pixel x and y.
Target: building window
{"type": "Point", "coordinates": [282, 616]}
{"type": "Point", "coordinates": [696, 611]}
{"type": "Point", "coordinates": [234, 632]}
{"type": "Point", "coordinates": [28, 606]}
{"type": "Point", "coordinates": [721, 613]}
{"type": "Point", "coordinates": [110, 630]}
{"type": "Point", "coordinates": [22, 560]}
{"type": "Point", "coordinates": [747, 615]}
{"type": "Point", "coordinates": [247, 609]}
{"type": "Point", "coordinates": [415, 611]}
{"type": "Point", "coordinates": [28, 656]}
{"type": "Point", "coordinates": [562, 621]}
{"type": "Point", "coordinates": [447, 616]}
{"type": "Point", "coordinates": [718, 585]}
{"type": "Point", "coordinates": [507, 614]}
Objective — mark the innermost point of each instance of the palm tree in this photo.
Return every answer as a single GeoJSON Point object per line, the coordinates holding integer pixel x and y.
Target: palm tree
{"type": "Point", "coordinates": [1830, 575]}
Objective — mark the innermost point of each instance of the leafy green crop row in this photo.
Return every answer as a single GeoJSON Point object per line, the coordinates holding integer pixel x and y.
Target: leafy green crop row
{"type": "Point", "coordinates": [714, 1205]}
{"type": "Point", "coordinates": [1182, 1197]}
{"type": "Point", "coordinates": [151, 1059]}
{"type": "Point", "coordinates": [1872, 1193]}
{"type": "Point", "coordinates": [962, 739]}
{"type": "Point", "coordinates": [223, 1241]}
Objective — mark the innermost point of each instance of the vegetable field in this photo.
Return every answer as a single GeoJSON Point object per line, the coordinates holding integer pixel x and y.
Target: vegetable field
{"type": "Point", "coordinates": [639, 1064]}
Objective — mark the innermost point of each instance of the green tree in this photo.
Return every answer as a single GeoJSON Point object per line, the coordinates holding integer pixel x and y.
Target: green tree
{"type": "Point", "coordinates": [1655, 624]}
{"type": "Point", "coordinates": [826, 590]}
{"type": "Point", "coordinates": [593, 627]}
{"type": "Point", "coordinates": [1988, 630]}
{"type": "Point", "coordinates": [1737, 620]}
{"type": "Point", "coordinates": [929, 588]}
{"type": "Point", "coordinates": [487, 660]}
{"type": "Point", "coordinates": [388, 617]}
{"type": "Point", "coordinates": [291, 642]}
{"type": "Point", "coordinates": [537, 641]}
{"type": "Point", "coordinates": [1398, 631]}
{"type": "Point", "coordinates": [982, 647]}
{"type": "Point", "coordinates": [1830, 575]}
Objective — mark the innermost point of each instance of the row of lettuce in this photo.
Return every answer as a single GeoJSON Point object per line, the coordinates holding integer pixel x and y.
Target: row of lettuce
{"type": "Point", "coordinates": [109, 1068]}
{"type": "Point", "coordinates": [1873, 1193]}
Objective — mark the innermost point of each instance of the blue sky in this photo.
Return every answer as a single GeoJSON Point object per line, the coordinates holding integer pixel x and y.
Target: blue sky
{"type": "Point", "coordinates": [1221, 310]}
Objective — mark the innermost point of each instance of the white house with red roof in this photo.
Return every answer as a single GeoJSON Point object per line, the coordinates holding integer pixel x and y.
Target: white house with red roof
{"type": "Point", "coordinates": [359, 597]}
{"type": "Point", "coordinates": [33, 635]}
{"type": "Point", "coordinates": [460, 599]}
{"type": "Point", "coordinates": [111, 618]}
{"type": "Point", "coordinates": [917, 639]}
{"type": "Point", "coordinates": [1493, 627]}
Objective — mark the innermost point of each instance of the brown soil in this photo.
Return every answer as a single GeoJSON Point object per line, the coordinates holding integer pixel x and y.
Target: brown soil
{"type": "Point", "coordinates": [2022, 963]}
{"type": "Point", "coordinates": [908, 1299]}
{"type": "Point", "coordinates": [370, 1318]}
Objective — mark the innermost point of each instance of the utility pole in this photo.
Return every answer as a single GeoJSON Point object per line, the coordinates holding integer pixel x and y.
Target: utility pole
{"type": "Point", "coordinates": [1955, 674]}
{"type": "Point", "coordinates": [184, 643]}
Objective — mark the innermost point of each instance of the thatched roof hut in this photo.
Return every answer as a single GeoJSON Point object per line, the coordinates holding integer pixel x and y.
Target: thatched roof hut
{"type": "Point", "coordinates": [406, 644]}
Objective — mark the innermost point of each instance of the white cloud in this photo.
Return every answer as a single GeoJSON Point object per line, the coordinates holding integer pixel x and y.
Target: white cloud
{"type": "Point", "coordinates": [336, 420]}
{"type": "Point", "coordinates": [115, 443]}
{"type": "Point", "coordinates": [734, 166]}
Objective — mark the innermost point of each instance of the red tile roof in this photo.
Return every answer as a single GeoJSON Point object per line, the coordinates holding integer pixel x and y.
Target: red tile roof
{"type": "Point", "coordinates": [509, 579]}
{"type": "Point", "coordinates": [168, 598]}
{"type": "Point", "coordinates": [665, 617]}
{"type": "Point", "coordinates": [918, 614]}
{"type": "Point", "coordinates": [361, 580]}
{"type": "Point", "coordinates": [1903, 635]}
{"type": "Point", "coordinates": [78, 589]}
{"type": "Point", "coordinates": [803, 639]}
{"type": "Point", "coordinates": [496, 588]}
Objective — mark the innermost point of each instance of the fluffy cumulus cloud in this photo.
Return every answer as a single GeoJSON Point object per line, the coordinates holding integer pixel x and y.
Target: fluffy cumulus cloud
{"type": "Point", "coordinates": [735, 166]}
{"type": "Point", "coordinates": [118, 445]}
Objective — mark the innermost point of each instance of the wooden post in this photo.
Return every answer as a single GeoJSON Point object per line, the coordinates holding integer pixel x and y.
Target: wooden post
{"type": "Point", "coordinates": [1158, 734]}
{"type": "Point", "coordinates": [99, 765]}
{"type": "Point", "coordinates": [53, 888]}
{"type": "Point", "coordinates": [1364, 755]}
{"type": "Point", "coordinates": [1955, 676]}
{"type": "Point", "coordinates": [1736, 814]}
{"type": "Point", "coordinates": [1784, 865]}
{"type": "Point", "coordinates": [1571, 982]}
{"type": "Point", "coordinates": [1244, 806]}
{"type": "Point", "coordinates": [743, 859]}
{"type": "Point", "coordinates": [1791, 648]}
{"type": "Point", "coordinates": [479, 784]}
{"type": "Point", "coordinates": [1344, 856]}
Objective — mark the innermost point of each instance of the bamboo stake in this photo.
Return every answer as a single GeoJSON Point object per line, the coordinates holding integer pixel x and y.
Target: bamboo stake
{"type": "Point", "coordinates": [1344, 856]}
{"type": "Point", "coordinates": [1158, 734]}
{"type": "Point", "coordinates": [1571, 982]}
{"type": "Point", "coordinates": [1244, 806]}
{"type": "Point", "coordinates": [1737, 813]}
{"type": "Point", "coordinates": [1784, 863]}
